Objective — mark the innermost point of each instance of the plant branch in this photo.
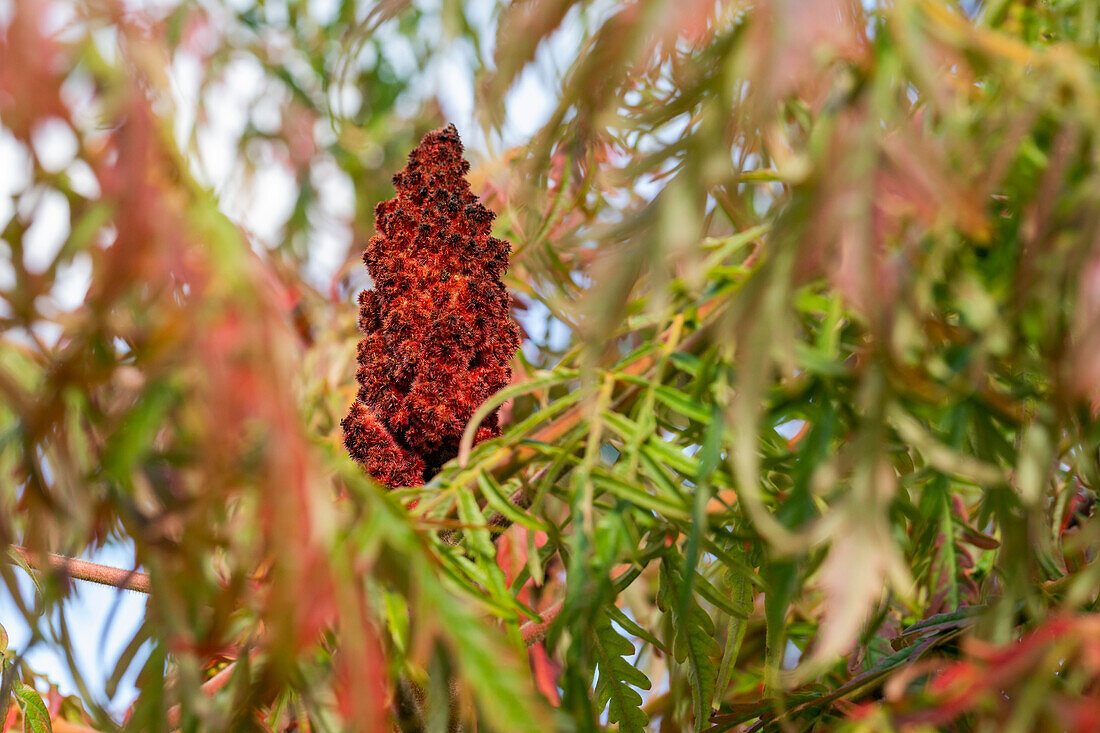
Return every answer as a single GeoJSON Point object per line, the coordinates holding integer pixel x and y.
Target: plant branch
{"type": "Point", "coordinates": [535, 631]}
{"type": "Point", "coordinates": [83, 570]}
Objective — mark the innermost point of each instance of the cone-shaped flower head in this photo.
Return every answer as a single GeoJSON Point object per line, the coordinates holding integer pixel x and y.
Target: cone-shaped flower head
{"type": "Point", "coordinates": [438, 333]}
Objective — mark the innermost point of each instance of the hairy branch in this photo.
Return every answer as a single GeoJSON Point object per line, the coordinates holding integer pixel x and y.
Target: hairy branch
{"type": "Point", "coordinates": [535, 631]}
{"type": "Point", "coordinates": [83, 570]}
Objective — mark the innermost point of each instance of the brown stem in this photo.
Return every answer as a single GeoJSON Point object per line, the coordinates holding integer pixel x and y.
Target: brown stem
{"type": "Point", "coordinates": [535, 631]}
{"type": "Point", "coordinates": [84, 570]}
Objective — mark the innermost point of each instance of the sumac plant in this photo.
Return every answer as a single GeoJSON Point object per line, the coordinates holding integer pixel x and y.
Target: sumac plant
{"type": "Point", "coordinates": [767, 400]}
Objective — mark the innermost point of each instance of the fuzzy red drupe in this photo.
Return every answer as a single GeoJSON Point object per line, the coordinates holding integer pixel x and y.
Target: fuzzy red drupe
{"type": "Point", "coordinates": [438, 332]}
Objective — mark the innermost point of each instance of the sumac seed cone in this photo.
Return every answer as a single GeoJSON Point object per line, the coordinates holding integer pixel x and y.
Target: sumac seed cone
{"type": "Point", "coordinates": [438, 334]}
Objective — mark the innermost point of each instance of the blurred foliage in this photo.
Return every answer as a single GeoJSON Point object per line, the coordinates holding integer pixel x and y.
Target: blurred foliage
{"type": "Point", "coordinates": [803, 434]}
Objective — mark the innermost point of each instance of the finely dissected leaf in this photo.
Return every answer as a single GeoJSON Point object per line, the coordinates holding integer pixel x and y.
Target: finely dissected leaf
{"type": "Point", "coordinates": [617, 677]}
{"type": "Point", "coordinates": [36, 718]}
{"type": "Point", "coordinates": [694, 644]}
{"type": "Point", "coordinates": [735, 635]}
{"type": "Point", "coordinates": [782, 580]}
{"type": "Point", "coordinates": [631, 627]}
{"type": "Point", "coordinates": [740, 591]}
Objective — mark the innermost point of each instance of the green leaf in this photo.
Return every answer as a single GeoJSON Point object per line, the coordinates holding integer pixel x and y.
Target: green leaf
{"type": "Point", "coordinates": [672, 398]}
{"type": "Point", "coordinates": [1033, 469]}
{"type": "Point", "coordinates": [693, 643]}
{"type": "Point", "coordinates": [135, 436]}
{"type": "Point", "coordinates": [94, 219]}
{"type": "Point", "coordinates": [484, 569]}
{"type": "Point", "coordinates": [638, 495]}
{"type": "Point", "coordinates": [686, 362]}
{"type": "Point", "coordinates": [497, 500]}
{"type": "Point", "coordinates": [670, 455]}
{"type": "Point", "coordinates": [740, 593]}
{"type": "Point", "coordinates": [710, 593]}
{"type": "Point", "coordinates": [476, 530]}
{"type": "Point", "coordinates": [782, 580]}
{"type": "Point", "coordinates": [725, 247]}
{"type": "Point", "coordinates": [615, 677]}
{"type": "Point", "coordinates": [397, 619]}
{"type": "Point", "coordinates": [631, 627]}
{"type": "Point", "coordinates": [36, 719]}
{"type": "Point", "coordinates": [815, 362]}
